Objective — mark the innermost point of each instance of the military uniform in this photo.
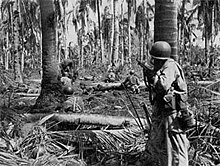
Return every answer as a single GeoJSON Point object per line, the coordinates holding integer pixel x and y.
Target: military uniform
{"type": "Point", "coordinates": [132, 82]}
{"type": "Point", "coordinates": [167, 140]}
{"type": "Point", "coordinates": [110, 77]}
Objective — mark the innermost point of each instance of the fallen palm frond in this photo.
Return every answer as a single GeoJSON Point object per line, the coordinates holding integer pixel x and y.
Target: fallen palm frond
{"type": "Point", "coordinates": [214, 86]}
{"type": "Point", "coordinates": [102, 143]}
{"type": "Point", "coordinates": [9, 159]}
{"type": "Point", "coordinates": [123, 141]}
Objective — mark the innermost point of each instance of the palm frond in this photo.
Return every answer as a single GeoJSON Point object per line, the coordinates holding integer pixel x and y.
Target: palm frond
{"type": "Point", "coordinates": [9, 159]}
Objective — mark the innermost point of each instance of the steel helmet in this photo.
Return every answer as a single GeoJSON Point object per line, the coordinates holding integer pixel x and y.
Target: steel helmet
{"type": "Point", "coordinates": [68, 90]}
{"type": "Point", "coordinates": [131, 71]}
{"type": "Point", "coordinates": [161, 50]}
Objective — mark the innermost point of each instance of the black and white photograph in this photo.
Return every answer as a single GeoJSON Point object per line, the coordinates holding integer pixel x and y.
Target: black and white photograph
{"type": "Point", "coordinates": [110, 83]}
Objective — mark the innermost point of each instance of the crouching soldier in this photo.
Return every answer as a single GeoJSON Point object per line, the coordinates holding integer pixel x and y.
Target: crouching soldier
{"type": "Point", "coordinates": [73, 103]}
{"type": "Point", "coordinates": [132, 82]}
{"type": "Point", "coordinates": [110, 76]}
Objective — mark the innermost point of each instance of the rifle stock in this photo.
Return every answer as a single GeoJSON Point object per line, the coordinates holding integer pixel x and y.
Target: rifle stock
{"type": "Point", "coordinates": [148, 74]}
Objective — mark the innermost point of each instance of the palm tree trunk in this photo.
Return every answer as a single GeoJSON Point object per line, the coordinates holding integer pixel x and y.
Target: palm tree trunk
{"type": "Point", "coordinates": [122, 34]}
{"type": "Point", "coordinates": [129, 32]}
{"type": "Point", "coordinates": [65, 31]}
{"type": "Point", "coordinates": [115, 37]}
{"type": "Point", "coordinates": [17, 67]}
{"type": "Point", "coordinates": [206, 41]}
{"type": "Point", "coordinates": [51, 88]}
{"type": "Point", "coordinates": [182, 30]}
{"type": "Point", "coordinates": [100, 32]}
{"type": "Point", "coordinates": [112, 34]}
{"type": "Point", "coordinates": [165, 24]}
{"type": "Point", "coordinates": [147, 36]}
{"type": "Point", "coordinates": [22, 39]}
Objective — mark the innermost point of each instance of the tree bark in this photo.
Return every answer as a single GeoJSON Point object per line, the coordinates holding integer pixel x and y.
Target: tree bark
{"type": "Point", "coordinates": [165, 24]}
{"type": "Point", "coordinates": [51, 87]}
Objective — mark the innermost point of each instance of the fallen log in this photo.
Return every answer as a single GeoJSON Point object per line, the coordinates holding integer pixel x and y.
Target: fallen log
{"type": "Point", "coordinates": [93, 119]}
{"type": "Point", "coordinates": [96, 119]}
{"type": "Point", "coordinates": [112, 86]}
{"type": "Point", "coordinates": [109, 87]}
{"type": "Point", "coordinates": [27, 94]}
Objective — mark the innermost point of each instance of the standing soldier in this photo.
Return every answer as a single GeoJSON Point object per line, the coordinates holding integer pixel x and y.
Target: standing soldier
{"type": "Point", "coordinates": [167, 139]}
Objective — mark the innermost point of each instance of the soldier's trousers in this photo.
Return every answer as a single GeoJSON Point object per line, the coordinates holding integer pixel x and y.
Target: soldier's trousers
{"type": "Point", "coordinates": [167, 142]}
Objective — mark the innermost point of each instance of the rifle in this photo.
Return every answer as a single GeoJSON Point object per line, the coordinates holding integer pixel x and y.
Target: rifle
{"type": "Point", "coordinates": [148, 73]}
{"type": "Point", "coordinates": [146, 68]}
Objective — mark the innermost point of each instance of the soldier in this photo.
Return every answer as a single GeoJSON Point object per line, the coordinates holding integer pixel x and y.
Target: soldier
{"type": "Point", "coordinates": [168, 140]}
{"type": "Point", "coordinates": [110, 76]}
{"type": "Point", "coordinates": [67, 74]}
{"type": "Point", "coordinates": [66, 67]}
{"type": "Point", "coordinates": [132, 82]}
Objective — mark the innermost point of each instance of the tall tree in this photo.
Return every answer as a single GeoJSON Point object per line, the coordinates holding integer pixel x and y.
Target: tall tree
{"type": "Point", "coordinates": [17, 47]}
{"type": "Point", "coordinates": [20, 23]}
{"type": "Point", "coordinates": [100, 31]}
{"type": "Point", "coordinates": [107, 31]}
{"type": "Point", "coordinates": [51, 88]}
{"type": "Point", "coordinates": [115, 44]}
{"type": "Point", "coordinates": [165, 24]}
{"type": "Point", "coordinates": [129, 31]}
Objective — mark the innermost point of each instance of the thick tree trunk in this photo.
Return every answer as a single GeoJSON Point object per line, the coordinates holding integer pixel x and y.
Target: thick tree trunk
{"type": "Point", "coordinates": [51, 88]}
{"type": "Point", "coordinates": [165, 24]}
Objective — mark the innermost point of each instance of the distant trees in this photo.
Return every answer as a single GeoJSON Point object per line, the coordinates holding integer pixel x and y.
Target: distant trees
{"type": "Point", "coordinates": [209, 16]}
{"type": "Point", "coordinates": [208, 22]}
{"type": "Point", "coordinates": [20, 30]}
